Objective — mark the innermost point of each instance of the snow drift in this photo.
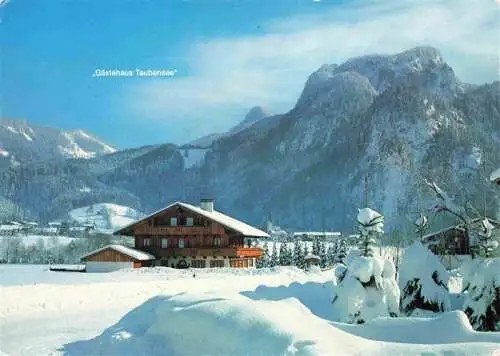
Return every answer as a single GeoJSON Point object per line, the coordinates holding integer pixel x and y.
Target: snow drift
{"type": "Point", "coordinates": [194, 324]}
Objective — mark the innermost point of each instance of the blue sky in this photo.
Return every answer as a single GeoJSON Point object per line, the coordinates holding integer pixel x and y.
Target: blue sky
{"type": "Point", "coordinates": [229, 56]}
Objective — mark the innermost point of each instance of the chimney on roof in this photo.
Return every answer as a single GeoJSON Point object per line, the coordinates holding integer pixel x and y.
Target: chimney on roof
{"type": "Point", "coordinates": [207, 204]}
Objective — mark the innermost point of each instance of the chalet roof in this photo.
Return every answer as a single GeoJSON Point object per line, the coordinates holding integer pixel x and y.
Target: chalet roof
{"type": "Point", "coordinates": [213, 215]}
{"type": "Point", "coordinates": [435, 234]}
{"type": "Point", "coordinates": [495, 176]}
{"type": "Point", "coordinates": [312, 257]}
{"type": "Point", "coordinates": [10, 227]}
{"type": "Point", "coordinates": [133, 253]}
{"type": "Point", "coordinates": [460, 227]}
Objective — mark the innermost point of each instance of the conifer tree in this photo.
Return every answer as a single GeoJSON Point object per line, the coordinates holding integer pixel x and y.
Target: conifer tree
{"type": "Point", "coordinates": [274, 259]}
{"type": "Point", "coordinates": [264, 261]}
{"type": "Point", "coordinates": [299, 255]}
{"type": "Point", "coordinates": [423, 281]}
{"type": "Point", "coordinates": [371, 228]}
{"type": "Point", "coordinates": [285, 256]}
{"type": "Point", "coordinates": [331, 255]}
{"type": "Point", "coordinates": [322, 254]}
{"type": "Point", "coordinates": [341, 251]}
{"type": "Point", "coordinates": [315, 247]}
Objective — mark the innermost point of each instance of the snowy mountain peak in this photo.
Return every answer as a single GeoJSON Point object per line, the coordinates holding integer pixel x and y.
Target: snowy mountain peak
{"type": "Point", "coordinates": [384, 70]}
{"type": "Point", "coordinates": [24, 142]}
{"type": "Point", "coordinates": [423, 54]}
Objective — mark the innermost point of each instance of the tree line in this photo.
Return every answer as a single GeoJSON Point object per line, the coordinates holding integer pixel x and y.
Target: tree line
{"type": "Point", "coordinates": [294, 254]}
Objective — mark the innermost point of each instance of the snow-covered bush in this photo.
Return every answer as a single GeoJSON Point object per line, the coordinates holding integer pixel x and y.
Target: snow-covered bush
{"type": "Point", "coordinates": [371, 227]}
{"type": "Point", "coordinates": [366, 289]}
{"type": "Point", "coordinates": [423, 281]}
{"type": "Point", "coordinates": [482, 291]}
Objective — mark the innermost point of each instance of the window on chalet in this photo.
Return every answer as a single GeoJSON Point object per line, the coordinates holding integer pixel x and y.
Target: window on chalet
{"type": "Point", "coordinates": [161, 221]}
{"type": "Point", "coordinates": [216, 263]}
{"type": "Point", "coordinates": [189, 222]}
{"type": "Point", "coordinates": [217, 241]}
{"type": "Point", "coordinates": [173, 221]}
{"type": "Point", "coordinates": [147, 241]}
{"type": "Point", "coordinates": [164, 242]}
{"type": "Point", "coordinates": [181, 242]}
{"type": "Point", "coordinates": [198, 263]}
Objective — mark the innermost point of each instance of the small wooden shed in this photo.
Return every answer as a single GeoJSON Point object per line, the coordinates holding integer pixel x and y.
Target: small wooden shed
{"type": "Point", "coordinates": [114, 257]}
{"type": "Point", "coordinates": [312, 260]}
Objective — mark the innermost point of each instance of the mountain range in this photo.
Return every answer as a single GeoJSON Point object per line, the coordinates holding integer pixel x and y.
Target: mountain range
{"type": "Point", "coordinates": [21, 142]}
{"type": "Point", "coordinates": [367, 129]}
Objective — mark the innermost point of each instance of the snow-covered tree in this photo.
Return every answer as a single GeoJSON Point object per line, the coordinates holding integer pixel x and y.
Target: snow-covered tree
{"type": "Point", "coordinates": [366, 289]}
{"type": "Point", "coordinates": [481, 277]}
{"type": "Point", "coordinates": [322, 254]}
{"type": "Point", "coordinates": [487, 239]}
{"type": "Point", "coordinates": [298, 255]}
{"type": "Point", "coordinates": [483, 238]}
{"type": "Point", "coordinates": [331, 254]}
{"type": "Point", "coordinates": [341, 251]}
{"type": "Point", "coordinates": [264, 261]}
{"type": "Point", "coordinates": [423, 281]}
{"type": "Point", "coordinates": [371, 228]}
{"type": "Point", "coordinates": [274, 260]}
{"type": "Point", "coordinates": [315, 246]}
{"type": "Point", "coordinates": [482, 291]}
{"type": "Point", "coordinates": [285, 257]}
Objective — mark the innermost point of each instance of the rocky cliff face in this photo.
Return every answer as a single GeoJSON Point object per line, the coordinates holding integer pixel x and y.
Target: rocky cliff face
{"type": "Point", "coordinates": [389, 119]}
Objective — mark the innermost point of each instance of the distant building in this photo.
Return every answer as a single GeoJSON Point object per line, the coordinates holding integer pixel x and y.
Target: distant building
{"type": "Point", "coordinates": [275, 231]}
{"type": "Point", "coordinates": [10, 229]}
{"type": "Point", "coordinates": [312, 260]}
{"type": "Point", "coordinates": [183, 235]}
{"type": "Point", "coordinates": [311, 235]}
{"type": "Point", "coordinates": [453, 240]}
{"type": "Point", "coordinates": [495, 176]}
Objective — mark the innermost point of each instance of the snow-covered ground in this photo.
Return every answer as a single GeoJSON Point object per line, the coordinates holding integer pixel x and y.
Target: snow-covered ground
{"type": "Point", "coordinates": [161, 311]}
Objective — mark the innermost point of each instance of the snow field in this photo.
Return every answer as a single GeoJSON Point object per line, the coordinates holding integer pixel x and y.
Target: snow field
{"type": "Point", "coordinates": [158, 311]}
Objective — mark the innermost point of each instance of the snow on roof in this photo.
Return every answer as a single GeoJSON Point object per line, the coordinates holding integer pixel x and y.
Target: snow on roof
{"type": "Point", "coordinates": [366, 216]}
{"type": "Point", "coordinates": [435, 234]}
{"type": "Point", "coordinates": [310, 256]}
{"type": "Point", "coordinates": [135, 254]}
{"type": "Point", "coordinates": [214, 215]}
{"type": "Point", "coordinates": [495, 176]}
{"type": "Point", "coordinates": [10, 227]}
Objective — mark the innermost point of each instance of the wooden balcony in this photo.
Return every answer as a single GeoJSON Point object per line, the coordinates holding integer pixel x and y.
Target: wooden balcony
{"type": "Point", "coordinates": [179, 230]}
{"type": "Point", "coordinates": [204, 251]}
{"type": "Point", "coordinates": [249, 252]}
